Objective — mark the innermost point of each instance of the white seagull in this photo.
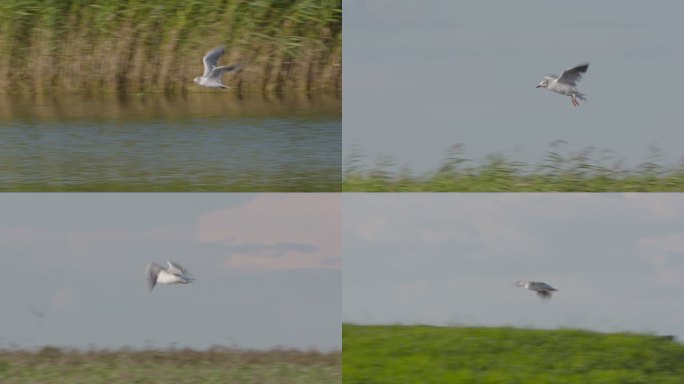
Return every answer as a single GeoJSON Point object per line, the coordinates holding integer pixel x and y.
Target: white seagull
{"type": "Point", "coordinates": [566, 83]}
{"type": "Point", "coordinates": [543, 290]}
{"type": "Point", "coordinates": [212, 73]}
{"type": "Point", "coordinates": [175, 274]}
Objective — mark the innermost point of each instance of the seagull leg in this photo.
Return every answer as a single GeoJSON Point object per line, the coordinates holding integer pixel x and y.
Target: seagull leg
{"type": "Point", "coordinates": [574, 101]}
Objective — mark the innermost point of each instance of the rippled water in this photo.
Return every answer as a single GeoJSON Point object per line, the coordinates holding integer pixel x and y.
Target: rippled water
{"type": "Point", "coordinates": [201, 142]}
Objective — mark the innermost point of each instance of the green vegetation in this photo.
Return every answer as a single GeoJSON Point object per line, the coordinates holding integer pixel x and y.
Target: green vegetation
{"type": "Point", "coordinates": [423, 354]}
{"type": "Point", "coordinates": [585, 171]}
{"type": "Point", "coordinates": [305, 183]}
{"type": "Point", "coordinates": [60, 179]}
{"type": "Point", "coordinates": [226, 366]}
{"type": "Point", "coordinates": [156, 45]}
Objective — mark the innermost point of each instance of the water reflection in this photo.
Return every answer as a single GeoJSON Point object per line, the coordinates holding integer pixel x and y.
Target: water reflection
{"type": "Point", "coordinates": [214, 141]}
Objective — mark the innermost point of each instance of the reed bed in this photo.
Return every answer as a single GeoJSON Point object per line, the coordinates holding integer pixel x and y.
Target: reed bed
{"type": "Point", "coordinates": [95, 46]}
{"type": "Point", "coordinates": [562, 170]}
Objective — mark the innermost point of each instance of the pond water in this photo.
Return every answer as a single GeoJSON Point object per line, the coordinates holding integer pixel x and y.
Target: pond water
{"type": "Point", "coordinates": [210, 141]}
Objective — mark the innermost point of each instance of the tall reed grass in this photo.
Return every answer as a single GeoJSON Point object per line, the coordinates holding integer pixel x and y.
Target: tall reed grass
{"type": "Point", "coordinates": [92, 46]}
{"type": "Point", "coordinates": [562, 170]}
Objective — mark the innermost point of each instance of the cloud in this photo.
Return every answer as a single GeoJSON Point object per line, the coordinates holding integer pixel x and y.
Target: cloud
{"type": "Point", "coordinates": [278, 231]}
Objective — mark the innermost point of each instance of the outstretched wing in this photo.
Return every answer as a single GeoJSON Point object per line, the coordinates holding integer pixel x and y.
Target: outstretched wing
{"type": "Point", "coordinates": [175, 268]}
{"type": "Point", "coordinates": [219, 71]}
{"type": "Point", "coordinates": [573, 75]}
{"type": "Point", "coordinates": [211, 59]}
{"type": "Point", "coordinates": [539, 286]}
{"type": "Point", "coordinates": [151, 275]}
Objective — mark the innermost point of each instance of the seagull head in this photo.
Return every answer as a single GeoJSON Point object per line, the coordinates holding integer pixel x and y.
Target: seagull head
{"type": "Point", "coordinates": [196, 79]}
{"type": "Point", "coordinates": [543, 84]}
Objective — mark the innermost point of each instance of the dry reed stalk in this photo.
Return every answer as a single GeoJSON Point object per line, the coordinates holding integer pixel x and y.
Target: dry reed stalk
{"type": "Point", "coordinates": [109, 46]}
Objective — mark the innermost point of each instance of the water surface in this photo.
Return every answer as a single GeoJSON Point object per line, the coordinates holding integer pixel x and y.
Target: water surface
{"type": "Point", "coordinates": [214, 141]}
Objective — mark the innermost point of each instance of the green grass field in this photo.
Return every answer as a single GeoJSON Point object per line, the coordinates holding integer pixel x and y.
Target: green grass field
{"type": "Point", "coordinates": [424, 354]}
{"type": "Point", "coordinates": [52, 365]}
{"type": "Point", "coordinates": [587, 170]}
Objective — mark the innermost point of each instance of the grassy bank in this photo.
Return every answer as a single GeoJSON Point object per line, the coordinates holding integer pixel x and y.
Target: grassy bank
{"type": "Point", "coordinates": [52, 365]}
{"type": "Point", "coordinates": [422, 354]}
{"type": "Point", "coordinates": [156, 45]}
{"type": "Point", "coordinates": [587, 170]}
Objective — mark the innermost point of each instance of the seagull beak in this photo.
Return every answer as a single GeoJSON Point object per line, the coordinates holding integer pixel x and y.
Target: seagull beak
{"type": "Point", "coordinates": [538, 86]}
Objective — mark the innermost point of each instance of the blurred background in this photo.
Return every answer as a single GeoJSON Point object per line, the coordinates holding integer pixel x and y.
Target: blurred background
{"type": "Point", "coordinates": [454, 259]}
{"type": "Point", "coordinates": [429, 291]}
{"type": "Point", "coordinates": [98, 96]}
{"type": "Point", "coordinates": [453, 85]}
{"type": "Point", "coordinates": [265, 302]}
{"type": "Point", "coordinates": [267, 270]}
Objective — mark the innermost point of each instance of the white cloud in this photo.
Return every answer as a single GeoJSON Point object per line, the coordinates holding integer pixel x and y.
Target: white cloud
{"type": "Point", "coordinates": [282, 231]}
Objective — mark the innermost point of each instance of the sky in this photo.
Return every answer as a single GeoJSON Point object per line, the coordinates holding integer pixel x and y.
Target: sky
{"type": "Point", "coordinates": [617, 260]}
{"type": "Point", "coordinates": [420, 77]}
{"type": "Point", "coordinates": [267, 270]}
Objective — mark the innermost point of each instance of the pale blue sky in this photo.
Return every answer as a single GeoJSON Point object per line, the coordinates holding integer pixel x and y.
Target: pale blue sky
{"type": "Point", "coordinates": [616, 259]}
{"type": "Point", "coordinates": [420, 76]}
{"type": "Point", "coordinates": [267, 269]}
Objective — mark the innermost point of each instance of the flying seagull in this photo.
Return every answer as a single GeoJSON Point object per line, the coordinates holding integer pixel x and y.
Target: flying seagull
{"type": "Point", "coordinates": [175, 274]}
{"type": "Point", "coordinates": [543, 290]}
{"type": "Point", "coordinates": [212, 73]}
{"type": "Point", "coordinates": [565, 84]}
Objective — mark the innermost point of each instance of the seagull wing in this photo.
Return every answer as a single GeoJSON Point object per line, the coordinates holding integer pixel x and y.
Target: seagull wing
{"type": "Point", "coordinates": [539, 286]}
{"type": "Point", "coordinates": [175, 268]}
{"type": "Point", "coordinates": [211, 59]}
{"type": "Point", "coordinates": [217, 72]}
{"type": "Point", "coordinates": [573, 75]}
{"type": "Point", "coordinates": [151, 275]}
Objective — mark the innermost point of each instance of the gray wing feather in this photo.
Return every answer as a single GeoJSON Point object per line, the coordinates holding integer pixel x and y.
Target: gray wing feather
{"type": "Point", "coordinates": [175, 268]}
{"type": "Point", "coordinates": [544, 286]}
{"type": "Point", "coordinates": [217, 72]}
{"type": "Point", "coordinates": [211, 59]}
{"type": "Point", "coordinates": [573, 75]}
{"type": "Point", "coordinates": [151, 275]}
